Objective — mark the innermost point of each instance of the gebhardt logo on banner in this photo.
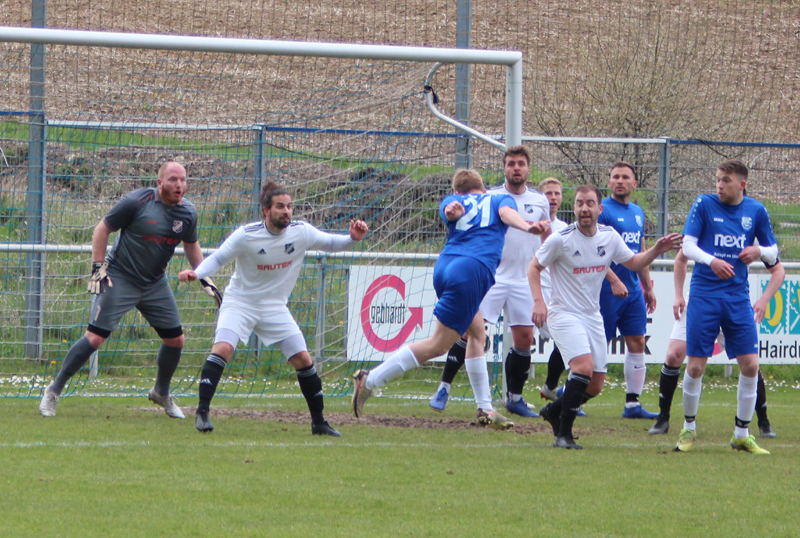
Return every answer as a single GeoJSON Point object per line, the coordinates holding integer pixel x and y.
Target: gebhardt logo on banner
{"type": "Point", "coordinates": [388, 307]}
{"type": "Point", "coordinates": [385, 313]}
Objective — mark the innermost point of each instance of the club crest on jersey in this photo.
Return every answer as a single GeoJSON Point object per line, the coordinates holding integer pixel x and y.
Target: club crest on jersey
{"type": "Point", "coordinates": [528, 208]}
{"type": "Point", "coordinates": [747, 223]}
{"type": "Point", "coordinates": [288, 248]}
{"type": "Point", "coordinates": [177, 226]}
{"type": "Point", "coordinates": [601, 250]}
{"type": "Point", "coordinates": [638, 220]}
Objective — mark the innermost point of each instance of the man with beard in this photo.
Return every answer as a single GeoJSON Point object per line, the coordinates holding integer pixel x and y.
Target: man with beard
{"type": "Point", "coordinates": [269, 256]}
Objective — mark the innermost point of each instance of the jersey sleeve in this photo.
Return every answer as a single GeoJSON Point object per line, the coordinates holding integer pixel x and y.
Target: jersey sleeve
{"type": "Point", "coordinates": [191, 233]}
{"type": "Point", "coordinates": [124, 212]}
{"type": "Point", "coordinates": [550, 250]}
{"type": "Point", "coordinates": [445, 202]}
{"type": "Point", "coordinates": [505, 201]}
{"type": "Point", "coordinates": [764, 233]}
{"type": "Point", "coordinates": [319, 240]}
{"type": "Point", "coordinates": [695, 222]}
{"type": "Point", "coordinates": [227, 252]}
{"type": "Point", "coordinates": [622, 253]}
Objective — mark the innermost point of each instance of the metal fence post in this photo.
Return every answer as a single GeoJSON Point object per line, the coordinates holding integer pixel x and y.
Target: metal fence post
{"type": "Point", "coordinates": [34, 262]}
{"type": "Point", "coordinates": [319, 334]}
{"type": "Point", "coordinates": [663, 188]}
{"type": "Point", "coordinates": [463, 41]}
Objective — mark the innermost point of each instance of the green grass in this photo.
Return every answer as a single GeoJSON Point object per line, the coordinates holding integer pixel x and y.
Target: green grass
{"type": "Point", "coordinates": [111, 467]}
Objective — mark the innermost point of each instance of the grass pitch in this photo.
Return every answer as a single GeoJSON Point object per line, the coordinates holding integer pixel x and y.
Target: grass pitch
{"type": "Point", "coordinates": [115, 467]}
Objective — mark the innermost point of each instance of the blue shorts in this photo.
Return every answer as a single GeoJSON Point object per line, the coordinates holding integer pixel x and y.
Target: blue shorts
{"type": "Point", "coordinates": [734, 315]}
{"type": "Point", "coordinates": [629, 314]}
{"type": "Point", "coordinates": [460, 283]}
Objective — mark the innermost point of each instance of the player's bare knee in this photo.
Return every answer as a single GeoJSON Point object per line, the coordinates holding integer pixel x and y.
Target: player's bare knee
{"type": "Point", "coordinates": [522, 336]}
{"type": "Point", "coordinates": [635, 344]}
{"type": "Point", "coordinates": [676, 353]}
{"type": "Point", "coordinates": [300, 360]}
{"type": "Point", "coordinates": [176, 341]}
{"type": "Point", "coordinates": [95, 339]}
{"type": "Point", "coordinates": [224, 350]}
{"type": "Point", "coordinates": [696, 368]}
{"type": "Point", "coordinates": [748, 365]}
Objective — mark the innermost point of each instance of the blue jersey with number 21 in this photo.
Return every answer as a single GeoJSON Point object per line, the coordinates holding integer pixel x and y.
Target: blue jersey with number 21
{"type": "Point", "coordinates": [479, 233]}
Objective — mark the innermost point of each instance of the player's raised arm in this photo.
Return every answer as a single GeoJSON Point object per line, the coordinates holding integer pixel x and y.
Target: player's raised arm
{"type": "Point", "coordinates": [664, 244]}
{"type": "Point", "coordinates": [511, 217]}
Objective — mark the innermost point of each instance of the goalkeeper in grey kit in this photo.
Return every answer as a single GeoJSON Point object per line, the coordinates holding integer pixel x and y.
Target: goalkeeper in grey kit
{"type": "Point", "coordinates": [151, 223]}
{"type": "Point", "coordinates": [269, 255]}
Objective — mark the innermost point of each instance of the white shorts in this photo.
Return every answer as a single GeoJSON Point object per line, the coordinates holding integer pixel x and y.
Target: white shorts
{"type": "Point", "coordinates": [579, 334]}
{"type": "Point", "coordinates": [273, 324]}
{"type": "Point", "coordinates": [513, 297]}
{"type": "Point", "coordinates": [679, 332]}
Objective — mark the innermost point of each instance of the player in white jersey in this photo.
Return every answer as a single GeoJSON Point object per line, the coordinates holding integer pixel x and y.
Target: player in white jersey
{"type": "Point", "coordinates": [676, 352]}
{"type": "Point", "coordinates": [510, 291]}
{"type": "Point", "coordinates": [579, 257]}
{"type": "Point", "coordinates": [269, 255]}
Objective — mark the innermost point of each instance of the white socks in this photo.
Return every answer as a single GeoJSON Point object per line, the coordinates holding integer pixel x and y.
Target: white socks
{"type": "Point", "coordinates": [393, 367]}
{"type": "Point", "coordinates": [479, 379]}
{"type": "Point", "coordinates": [745, 403]}
{"type": "Point", "coordinates": [635, 372]}
{"type": "Point", "coordinates": [692, 388]}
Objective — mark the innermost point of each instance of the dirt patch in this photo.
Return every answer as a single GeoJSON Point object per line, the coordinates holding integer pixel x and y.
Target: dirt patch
{"type": "Point", "coordinates": [521, 426]}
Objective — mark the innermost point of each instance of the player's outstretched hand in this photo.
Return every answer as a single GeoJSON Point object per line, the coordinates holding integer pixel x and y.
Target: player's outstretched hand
{"type": "Point", "coordinates": [678, 306]}
{"type": "Point", "coordinates": [187, 276]}
{"type": "Point", "coordinates": [453, 211]}
{"type": "Point", "coordinates": [358, 229]}
{"type": "Point", "coordinates": [210, 289]}
{"type": "Point", "coordinates": [669, 242]}
{"type": "Point", "coordinates": [750, 254]}
{"type": "Point", "coordinates": [722, 269]}
{"type": "Point", "coordinates": [99, 280]}
{"type": "Point", "coordinates": [540, 228]}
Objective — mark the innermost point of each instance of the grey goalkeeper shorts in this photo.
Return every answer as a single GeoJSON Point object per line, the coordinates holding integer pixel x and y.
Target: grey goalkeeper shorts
{"type": "Point", "coordinates": [155, 301]}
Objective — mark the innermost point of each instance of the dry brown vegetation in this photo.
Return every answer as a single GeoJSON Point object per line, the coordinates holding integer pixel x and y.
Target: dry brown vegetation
{"type": "Point", "coordinates": [722, 69]}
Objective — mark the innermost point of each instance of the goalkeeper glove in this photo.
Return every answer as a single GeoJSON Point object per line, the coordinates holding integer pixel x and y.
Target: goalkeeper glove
{"type": "Point", "coordinates": [95, 286]}
{"type": "Point", "coordinates": [210, 289]}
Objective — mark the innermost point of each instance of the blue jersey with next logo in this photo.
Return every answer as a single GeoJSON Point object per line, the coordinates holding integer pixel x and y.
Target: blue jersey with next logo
{"type": "Point", "coordinates": [628, 220]}
{"type": "Point", "coordinates": [724, 231]}
{"type": "Point", "coordinates": [479, 233]}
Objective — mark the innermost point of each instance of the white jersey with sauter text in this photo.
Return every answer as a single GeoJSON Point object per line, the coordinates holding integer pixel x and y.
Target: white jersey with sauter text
{"type": "Point", "coordinates": [268, 264]}
{"type": "Point", "coordinates": [578, 265]}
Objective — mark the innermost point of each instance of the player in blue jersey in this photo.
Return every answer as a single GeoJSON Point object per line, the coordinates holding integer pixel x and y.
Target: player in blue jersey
{"type": "Point", "coordinates": [476, 224]}
{"type": "Point", "coordinates": [629, 313]}
{"type": "Point", "coordinates": [720, 236]}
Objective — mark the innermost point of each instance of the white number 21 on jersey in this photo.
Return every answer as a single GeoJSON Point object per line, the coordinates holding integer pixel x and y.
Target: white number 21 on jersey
{"type": "Point", "coordinates": [472, 208]}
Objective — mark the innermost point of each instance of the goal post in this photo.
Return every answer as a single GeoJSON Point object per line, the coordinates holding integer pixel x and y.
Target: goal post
{"type": "Point", "coordinates": [346, 129]}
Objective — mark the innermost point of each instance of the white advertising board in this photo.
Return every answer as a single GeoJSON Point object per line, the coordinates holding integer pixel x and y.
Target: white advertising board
{"type": "Point", "coordinates": [391, 306]}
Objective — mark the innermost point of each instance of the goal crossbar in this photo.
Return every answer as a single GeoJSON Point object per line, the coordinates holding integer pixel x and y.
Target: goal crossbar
{"type": "Point", "coordinates": [512, 60]}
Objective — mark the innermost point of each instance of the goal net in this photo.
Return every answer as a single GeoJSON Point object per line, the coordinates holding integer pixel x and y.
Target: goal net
{"type": "Point", "coordinates": [349, 138]}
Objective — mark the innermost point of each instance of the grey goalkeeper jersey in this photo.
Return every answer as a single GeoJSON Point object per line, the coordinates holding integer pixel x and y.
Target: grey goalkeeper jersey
{"type": "Point", "coordinates": [149, 231]}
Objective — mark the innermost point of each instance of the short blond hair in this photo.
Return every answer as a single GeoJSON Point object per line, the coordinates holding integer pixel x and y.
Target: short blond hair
{"type": "Point", "coordinates": [465, 180]}
{"type": "Point", "coordinates": [548, 181]}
